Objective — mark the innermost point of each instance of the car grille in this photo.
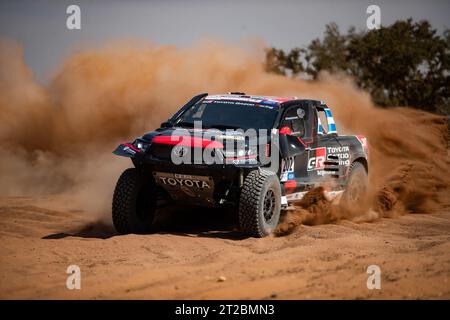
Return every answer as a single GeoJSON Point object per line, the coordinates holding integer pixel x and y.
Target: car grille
{"type": "Point", "coordinates": [163, 152]}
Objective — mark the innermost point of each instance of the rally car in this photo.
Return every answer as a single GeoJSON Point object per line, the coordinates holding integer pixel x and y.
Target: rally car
{"type": "Point", "coordinates": [255, 154]}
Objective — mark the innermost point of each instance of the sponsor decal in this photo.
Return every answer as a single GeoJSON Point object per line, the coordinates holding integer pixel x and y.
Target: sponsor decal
{"type": "Point", "coordinates": [268, 104]}
{"type": "Point", "coordinates": [287, 169]}
{"type": "Point", "coordinates": [183, 181]}
{"type": "Point", "coordinates": [318, 161]}
{"type": "Point", "coordinates": [295, 196]}
{"type": "Point", "coordinates": [324, 173]}
{"type": "Point", "coordinates": [230, 135]}
{"type": "Point", "coordinates": [233, 98]}
{"type": "Point", "coordinates": [328, 154]}
{"type": "Point", "coordinates": [188, 187]}
{"type": "Point", "coordinates": [263, 102]}
{"type": "Point", "coordinates": [129, 150]}
{"type": "Point", "coordinates": [333, 150]}
{"type": "Point", "coordinates": [330, 195]}
{"type": "Point", "coordinates": [180, 151]}
{"type": "Point", "coordinates": [244, 160]}
{"type": "Point", "coordinates": [342, 152]}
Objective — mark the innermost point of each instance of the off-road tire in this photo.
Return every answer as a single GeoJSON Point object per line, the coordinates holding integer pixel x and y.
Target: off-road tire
{"type": "Point", "coordinates": [134, 202]}
{"type": "Point", "coordinates": [357, 184]}
{"type": "Point", "coordinates": [259, 186]}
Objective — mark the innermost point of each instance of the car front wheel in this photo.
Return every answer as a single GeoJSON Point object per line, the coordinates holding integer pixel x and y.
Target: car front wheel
{"type": "Point", "coordinates": [134, 202]}
{"type": "Point", "coordinates": [260, 203]}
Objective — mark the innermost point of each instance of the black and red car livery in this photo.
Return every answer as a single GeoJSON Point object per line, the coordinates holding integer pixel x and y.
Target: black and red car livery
{"type": "Point", "coordinates": [253, 153]}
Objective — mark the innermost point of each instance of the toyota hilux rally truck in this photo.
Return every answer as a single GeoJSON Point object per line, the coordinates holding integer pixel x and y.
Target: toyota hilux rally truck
{"type": "Point", "coordinates": [308, 153]}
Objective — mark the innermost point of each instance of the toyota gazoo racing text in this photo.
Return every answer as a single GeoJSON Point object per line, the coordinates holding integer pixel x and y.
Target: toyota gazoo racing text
{"type": "Point", "coordinates": [254, 154]}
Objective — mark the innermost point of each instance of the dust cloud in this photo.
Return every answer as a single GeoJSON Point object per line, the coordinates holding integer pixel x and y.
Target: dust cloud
{"type": "Point", "coordinates": [57, 138]}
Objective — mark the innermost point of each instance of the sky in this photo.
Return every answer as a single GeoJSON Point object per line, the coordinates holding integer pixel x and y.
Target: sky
{"type": "Point", "coordinates": [40, 25]}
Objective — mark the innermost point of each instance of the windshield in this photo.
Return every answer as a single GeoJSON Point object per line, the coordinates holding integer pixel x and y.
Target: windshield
{"type": "Point", "coordinates": [229, 114]}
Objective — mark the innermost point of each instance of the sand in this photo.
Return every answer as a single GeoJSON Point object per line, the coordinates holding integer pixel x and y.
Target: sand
{"type": "Point", "coordinates": [200, 255]}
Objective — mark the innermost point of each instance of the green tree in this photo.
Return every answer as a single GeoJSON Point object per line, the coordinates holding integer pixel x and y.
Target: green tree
{"type": "Point", "coordinates": [331, 53]}
{"type": "Point", "coordinates": [406, 63]}
{"type": "Point", "coordinates": [280, 62]}
{"type": "Point", "coordinates": [276, 61]}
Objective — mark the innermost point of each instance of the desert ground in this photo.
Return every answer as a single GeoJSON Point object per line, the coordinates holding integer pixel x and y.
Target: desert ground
{"type": "Point", "coordinates": [198, 254]}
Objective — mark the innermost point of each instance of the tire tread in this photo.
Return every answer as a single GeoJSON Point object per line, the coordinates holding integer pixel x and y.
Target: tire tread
{"type": "Point", "coordinates": [249, 202]}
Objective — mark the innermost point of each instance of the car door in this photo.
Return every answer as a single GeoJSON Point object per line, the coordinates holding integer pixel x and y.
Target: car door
{"type": "Point", "coordinates": [293, 168]}
{"type": "Point", "coordinates": [323, 162]}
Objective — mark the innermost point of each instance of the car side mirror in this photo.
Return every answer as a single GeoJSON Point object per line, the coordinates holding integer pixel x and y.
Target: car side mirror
{"type": "Point", "coordinates": [290, 146]}
{"type": "Point", "coordinates": [166, 124]}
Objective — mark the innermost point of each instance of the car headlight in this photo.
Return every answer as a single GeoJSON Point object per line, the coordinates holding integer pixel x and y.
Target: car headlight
{"type": "Point", "coordinates": [141, 145]}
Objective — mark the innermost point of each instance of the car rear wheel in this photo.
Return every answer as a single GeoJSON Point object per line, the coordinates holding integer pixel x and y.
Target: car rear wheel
{"type": "Point", "coordinates": [357, 184]}
{"type": "Point", "coordinates": [134, 202]}
{"type": "Point", "coordinates": [260, 203]}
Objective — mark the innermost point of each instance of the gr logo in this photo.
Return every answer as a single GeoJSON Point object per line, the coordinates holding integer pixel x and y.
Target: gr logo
{"type": "Point", "coordinates": [374, 280]}
{"type": "Point", "coordinates": [317, 162]}
{"type": "Point", "coordinates": [74, 279]}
